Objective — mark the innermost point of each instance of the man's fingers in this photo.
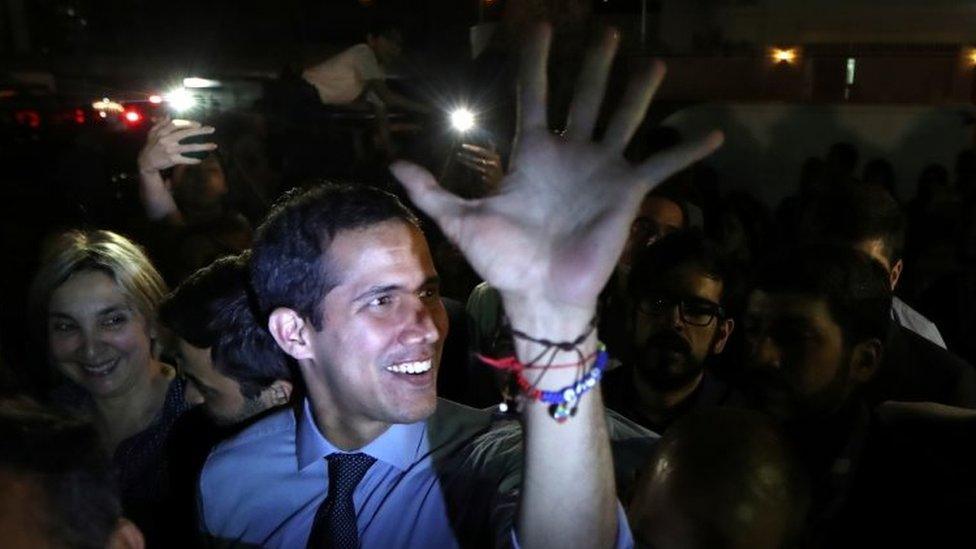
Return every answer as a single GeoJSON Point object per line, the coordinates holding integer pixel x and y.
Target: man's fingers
{"type": "Point", "coordinates": [172, 127]}
{"type": "Point", "coordinates": [195, 147]}
{"type": "Point", "coordinates": [180, 159]}
{"type": "Point", "coordinates": [670, 161]}
{"type": "Point", "coordinates": [484, 159]}
{"type": "Point", "coordinates": [590, 87]}
{"type": "Point", "coordinates": [633, 106]}
{"type": "Point", "coordinates": [179, 135]}
{"type": "Point", "coordinates": [427, 194]}
{"type": "Point", "coordinates": [476, 166]}
{"type": "Point", "coordinates": [159, 125]}
{"type": "Point", "coordinates": [533, 81]}
{"type": "Point", "coordinates": [476, 149]}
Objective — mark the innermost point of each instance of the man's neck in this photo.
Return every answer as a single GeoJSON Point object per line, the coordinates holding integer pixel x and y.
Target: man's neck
{"type": "Point", "coordinates": [341, 430]}
{"type": "Point", "coordinates": [657, 405]}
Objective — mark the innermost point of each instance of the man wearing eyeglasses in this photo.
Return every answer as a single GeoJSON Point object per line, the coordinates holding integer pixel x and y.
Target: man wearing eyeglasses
{"type": "Point", "coordinates": [678, 290]}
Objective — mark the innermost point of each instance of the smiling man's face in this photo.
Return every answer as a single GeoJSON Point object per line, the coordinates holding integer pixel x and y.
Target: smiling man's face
{"type": "Point", "coordinates": [383, 327]}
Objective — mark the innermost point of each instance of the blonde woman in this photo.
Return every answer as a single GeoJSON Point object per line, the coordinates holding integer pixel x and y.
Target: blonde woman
{"type": "Point", "coordinates": [94, 302]}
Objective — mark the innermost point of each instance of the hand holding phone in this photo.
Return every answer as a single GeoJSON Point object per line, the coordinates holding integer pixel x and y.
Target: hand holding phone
{"type": "Point", "coordinates": [172, 142]}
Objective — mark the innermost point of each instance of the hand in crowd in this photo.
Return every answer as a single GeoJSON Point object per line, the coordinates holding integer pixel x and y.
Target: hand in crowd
{"type": "Point", "coordinates": [486, 162]}
{"type": "Point", "coordinates": [163, 148]}
{"type": "Point", "coordinates": [561, 216]}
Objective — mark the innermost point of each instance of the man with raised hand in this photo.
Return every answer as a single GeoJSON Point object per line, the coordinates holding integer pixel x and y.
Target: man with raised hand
{"type": "Point", "coordinates": [371, 457]}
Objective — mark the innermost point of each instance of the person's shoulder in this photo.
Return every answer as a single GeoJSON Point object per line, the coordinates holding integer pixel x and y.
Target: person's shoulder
{"type": "Point", "coordinates": [257, 443]}
{"type": "Point", "coordinates": [361, 52]}
{"type": "Point", "coordinates": [454, 422]}
{"type": "Point", "coordinates": [916, 347]}
{"type": "Point", "coordinates": [621, 429]}
{"type": "Point", "coordinates": [240, 469]}
{"type": "Point", "coordinates": [477, 431]}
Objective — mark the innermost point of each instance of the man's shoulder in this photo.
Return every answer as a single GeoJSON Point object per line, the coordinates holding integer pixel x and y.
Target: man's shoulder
{"type": "Point", "coordinates": [622, 429]}
{"type": "Point", "coordinates": [251, 482]}
{"type": "Point", "coordinates": [280, 424]}
{"type": "Point", "coordinates": [249, 450]}
{"type": "Point", "coordinates": [908, 345]}
{"type": "Point", "coordinates": [928, 371]}
{"type": "Point", "coordinates": [456, 424]}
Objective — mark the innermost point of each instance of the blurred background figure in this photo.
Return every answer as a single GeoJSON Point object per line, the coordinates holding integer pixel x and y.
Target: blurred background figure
{"type": "Point", "coordinates": [720, 478]}
{"type": "Point", "coordinates": [203, 190]}
{"type": "Point", "coordinates": [57, 486]}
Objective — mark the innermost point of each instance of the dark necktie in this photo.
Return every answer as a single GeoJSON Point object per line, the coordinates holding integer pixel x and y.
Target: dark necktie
{"type": "Point", "coordinates": [335, 520]}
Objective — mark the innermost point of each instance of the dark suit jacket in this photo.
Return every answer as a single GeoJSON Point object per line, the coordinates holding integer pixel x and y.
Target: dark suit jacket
{"type": "Point", "coordinates": [914, 369]}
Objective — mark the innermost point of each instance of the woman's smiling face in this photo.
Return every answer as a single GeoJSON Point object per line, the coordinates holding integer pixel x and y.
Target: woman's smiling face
{"type": "Point", "coordinates": [96, 336]}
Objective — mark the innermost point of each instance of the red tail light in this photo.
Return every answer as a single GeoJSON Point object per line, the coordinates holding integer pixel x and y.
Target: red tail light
{"type": "Point", "coordinates": [29, 118]}
{"type": "Point", "coordinates": [132, 117]}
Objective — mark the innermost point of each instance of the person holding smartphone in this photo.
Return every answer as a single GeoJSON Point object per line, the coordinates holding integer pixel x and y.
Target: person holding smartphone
{"type": "Point", "coordinates": [193, 221]}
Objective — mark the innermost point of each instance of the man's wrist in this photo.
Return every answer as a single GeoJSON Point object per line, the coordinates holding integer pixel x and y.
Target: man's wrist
{"type": "Point", "coordinates": [546, 319]}
{"type": "Point", "coordinates": [537, 320]}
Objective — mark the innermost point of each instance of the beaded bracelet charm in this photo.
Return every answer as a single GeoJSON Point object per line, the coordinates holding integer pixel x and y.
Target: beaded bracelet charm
{"type": "Point", "coordinates": [564, 402]}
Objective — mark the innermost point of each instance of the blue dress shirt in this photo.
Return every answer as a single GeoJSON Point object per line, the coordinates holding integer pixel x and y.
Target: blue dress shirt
{"type": "Point", "coordinates": [448, 481]}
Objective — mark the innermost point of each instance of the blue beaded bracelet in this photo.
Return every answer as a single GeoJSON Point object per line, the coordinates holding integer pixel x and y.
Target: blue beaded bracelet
{"type": "Point", "coordinates": [563, 403]}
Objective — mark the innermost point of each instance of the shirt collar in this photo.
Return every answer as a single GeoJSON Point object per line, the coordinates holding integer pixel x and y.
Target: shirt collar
{"type": "Point", "coordinates": [400, 446]}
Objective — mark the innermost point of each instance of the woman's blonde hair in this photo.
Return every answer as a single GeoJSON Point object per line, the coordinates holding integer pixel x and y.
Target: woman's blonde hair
{"type": "Point", "coordinates": [74, 251]}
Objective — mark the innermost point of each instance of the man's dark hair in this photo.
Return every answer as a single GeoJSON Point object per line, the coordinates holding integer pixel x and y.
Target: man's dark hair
{"type": "Point", "coordinates": [289, 267]}
{"type": "Point", "coordinates": [854, 286]}
{"type": "Point", "coordinates": [213, 308]}
{"type": "Point", "coordinates": [860, 211]}
{"type": "Point", "coordinates": [64, 457]}
{"type": "Point", "coordinates": [686, 247]}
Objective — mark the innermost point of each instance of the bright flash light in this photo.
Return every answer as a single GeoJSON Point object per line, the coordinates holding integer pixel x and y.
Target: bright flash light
{"type": "Point", "coordinates": [194, 82]}
{"type": "Point", "coordinates": [180, 99]}
{"type": "Point", "coordinates": [785, 55]}
{"type": "Point", "coordinates": [462, 119]}
{"type": "Point", "coordinates": [133, 116]}
{"type": "Point", "coordinates": [155, 99]}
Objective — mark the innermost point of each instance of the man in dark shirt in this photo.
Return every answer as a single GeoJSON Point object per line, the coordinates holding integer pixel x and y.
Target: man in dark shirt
{"type": "Point", "coordinates": [816, 329]}
{"type": "Point", "coordinates": [677, 289]}
{"type": "Point", "coordinates": [916, 366]}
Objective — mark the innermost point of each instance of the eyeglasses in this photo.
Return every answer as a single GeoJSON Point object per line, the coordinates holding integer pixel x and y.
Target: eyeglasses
{"type": "Point", "coordinates": [693, 311]}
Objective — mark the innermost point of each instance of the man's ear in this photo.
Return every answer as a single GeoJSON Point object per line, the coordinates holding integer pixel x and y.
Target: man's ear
{"type": "Point", "coordinates": [896, 273]}
{"type": "Point", "coordinates": [126, 536]}
{"type": "Point", "coordinates": [722, 334]}
{"type": "Point", "coordinates": [278, 393]}
{"type": "Point", "coordinates": [865, 360]}
{"type": "Point", "coordinates": [291, 332]}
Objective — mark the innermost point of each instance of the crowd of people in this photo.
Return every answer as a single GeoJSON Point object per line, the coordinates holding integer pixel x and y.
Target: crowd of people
{"type": "Point", "coordinates": [586, 351]}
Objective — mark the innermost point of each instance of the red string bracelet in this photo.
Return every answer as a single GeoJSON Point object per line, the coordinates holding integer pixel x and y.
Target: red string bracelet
{"type": "Point", "coordinates": [512, 364]}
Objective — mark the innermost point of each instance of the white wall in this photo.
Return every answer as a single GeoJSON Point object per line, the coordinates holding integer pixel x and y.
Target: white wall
{"type": "Point", "coordinates": [766, 144]}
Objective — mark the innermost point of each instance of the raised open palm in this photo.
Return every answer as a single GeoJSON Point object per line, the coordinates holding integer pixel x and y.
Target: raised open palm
{"type": "Point", "coordinates": [557, 225]}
